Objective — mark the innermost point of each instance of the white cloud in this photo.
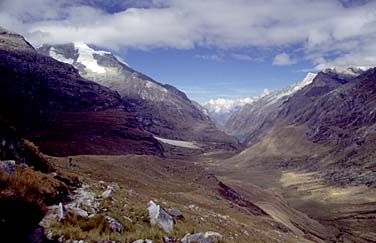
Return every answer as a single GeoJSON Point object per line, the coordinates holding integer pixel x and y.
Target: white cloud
{"type": "Point", "coordinates": [242, 57]}
{"type": "Point", "coordinates": [214, 57]}
{"type": "Point", "coordinates": [283, 59]}
{"type": "Point", "coordinates": [222, 105]}
{"type": "Point", "coordinates": [325, 29]}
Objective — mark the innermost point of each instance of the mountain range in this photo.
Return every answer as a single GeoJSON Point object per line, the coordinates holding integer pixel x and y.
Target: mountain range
{"type": "Point", "coordinates": [160, 109]}
{"type": "Point", "coordinates": [98, 151]}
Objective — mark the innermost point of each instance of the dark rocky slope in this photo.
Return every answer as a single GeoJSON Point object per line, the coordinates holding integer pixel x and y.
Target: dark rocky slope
{"type": "Point", "coordinates": [64, 114]}
{"type": "Point", "coordinates": [327, 127]}
{"type": "Point", "coordinates": [161, 109]}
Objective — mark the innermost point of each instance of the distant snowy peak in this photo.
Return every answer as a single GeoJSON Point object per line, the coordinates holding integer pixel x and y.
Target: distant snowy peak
{"type": "Point", "coordinates": [276, 96]}
{"type": "Point", "coordinates": [347, 71]}
{"type": "Point", "coordinates": [83, 54]}
{"type": "Point", "coordinates": [222, 105]}
{"type": "Point", "coordinates": [86, 56]}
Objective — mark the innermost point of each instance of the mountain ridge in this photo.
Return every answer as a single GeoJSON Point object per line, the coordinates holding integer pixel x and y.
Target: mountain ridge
{"type": "Point", "coordinates": [53, 106]}
{"type": "Point", "coordinates": [161, 109]}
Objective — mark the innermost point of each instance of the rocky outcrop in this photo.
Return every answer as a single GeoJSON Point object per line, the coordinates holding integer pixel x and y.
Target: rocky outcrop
{"type": "Point", "coordinates": [114, 225]}
{"type": "Point", "coordinates": [52, 105]}
{"type": "Point", "coordinates": [158, 216]}
{"type": "Point", "coordinates": [207, 237]}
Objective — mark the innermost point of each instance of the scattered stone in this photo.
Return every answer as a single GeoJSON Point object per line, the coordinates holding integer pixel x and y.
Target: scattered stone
{"type": "Point", "coordinates": [143, 241]}
{"type": "Point", "coordinates": [61, 212]}
{"type": "Point", "coordinates": [128, 218]}
{"type": "Point", "coordinates": [193, 207]}
{"type": "Point", "coordinates": [114, 186]}
{"type": "Point", "coordinates": [80, 212]}
{"type": "Point", "coordinates": [132, 192]}
{"type": "Point", "coordinates": [8, 166]}
{"type": "Point", "coordinates": [158, 216]}
{"type": "Point", "coordinates": [53, 174]}
{"type": "Point", "coordinates": [114, 224]}
{"type": "Point", "coordinates": [170, 240]}
{"type": "Point", "coordinates": [208, 237]}
{"type": "Point", "coordinates": [177, 214]}
{"type": "Point", "coordinates": [85, 200]}
{"type": "Point", "coordinates": [107, 194]}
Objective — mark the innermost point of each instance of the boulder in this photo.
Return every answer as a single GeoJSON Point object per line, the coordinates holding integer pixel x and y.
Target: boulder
{"type": "Point", "coordinates": [176, 214]}
{"type": "Point", "coordinates": [107, 194]}
{"type": "Point", "coordinates": [8, 166]}
{"type": "Point", "coordinates": [114, 224]}
{"type": "Point", "coordinates": [158, 216]}
{"type": "Point", "coordinates": [207, 237]}
{"type": "Point", "coordinates": [80, 212]}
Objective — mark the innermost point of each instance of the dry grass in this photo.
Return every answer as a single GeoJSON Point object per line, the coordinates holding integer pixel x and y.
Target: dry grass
{"type": "Point", "coordinates": [170, 183]}
{"type": "Point", "coordinates": [23, 200]}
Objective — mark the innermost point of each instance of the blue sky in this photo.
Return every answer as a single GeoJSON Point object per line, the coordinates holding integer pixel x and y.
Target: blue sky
{"type": "Point", "coordinates": [209, 48]}
{"type": "Point", "coordinates": [203, 79]}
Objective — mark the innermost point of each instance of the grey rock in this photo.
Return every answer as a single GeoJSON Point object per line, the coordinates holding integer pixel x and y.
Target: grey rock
{"type": "Point", "coordinates": [193, 207]}
{"type": "Point", "coordinates": [143, 241]}
{"type": "Point", "coordinates": [207, 237]}
{"type": "Point", "coordinates": [128, 218]}
{"type": "Point", "coordinates": [132, 192]}
{"type": "Point", "coordinates": [114, 224]}
{"type": "Point", "coordinates": [8, 166]}
{"type": "Point", "coordinates": [114, 187]}
{"type": "Point", "coordinates": [61, 213]}
{"type": "Point", "coordinates": [170, 240]}
{"type": "Point", "coordinates": [158, 216]}
{"type": "Point", "coordinates": [177, 214]}
{"type": "Point", "coordinates": [107, 194]}
{"type": "Point", "coordinates": [80, 212]}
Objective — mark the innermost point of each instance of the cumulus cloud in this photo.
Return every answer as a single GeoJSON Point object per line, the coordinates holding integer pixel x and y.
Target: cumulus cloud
{"type": "Point", "coordinates": [283, 59]}
{"type": "Point", "coordinates": [336, 32]}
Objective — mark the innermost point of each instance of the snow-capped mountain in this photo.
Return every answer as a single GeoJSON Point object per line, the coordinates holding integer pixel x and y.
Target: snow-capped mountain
{"type": "Point", "coordinates": [222, 105]}
{"type": "Point", "coordinates": [161, 109]}
{"type": "Point", "coordinates": [346, 71]}
{"type": "Point", "coordinates": [61, 112]}
{"type": "Point", "coordinates": [221, 109]}
{"type": "Point", "coordinates": [252, 115]}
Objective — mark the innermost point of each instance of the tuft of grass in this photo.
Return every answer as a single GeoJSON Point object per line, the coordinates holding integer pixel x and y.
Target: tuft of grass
{"type": "Point", "coordinates": [22, 205]}
{"type": "Point", "coordinates": [34, 157]}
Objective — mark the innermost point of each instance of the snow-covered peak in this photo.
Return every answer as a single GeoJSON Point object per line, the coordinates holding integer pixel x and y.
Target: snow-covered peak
{"type": "Point", "coordinates": [348, 71]}
{"type": "Point", "coordinates": [275, 96]}
{"type": "Point", "coordinates": [222, 105]}
{"type": "Point", "coordinates": [307, 80]}
{"type": "Point", "coordinates": [61, 58]}
{"type": "Point", "coordinates": [86, 57]}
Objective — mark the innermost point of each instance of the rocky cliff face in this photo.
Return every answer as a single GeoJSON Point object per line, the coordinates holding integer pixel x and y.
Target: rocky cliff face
{"type": "Point", "coordinates": [161, 109]}
{"type": "Point", "coordinates": [53, 106]}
